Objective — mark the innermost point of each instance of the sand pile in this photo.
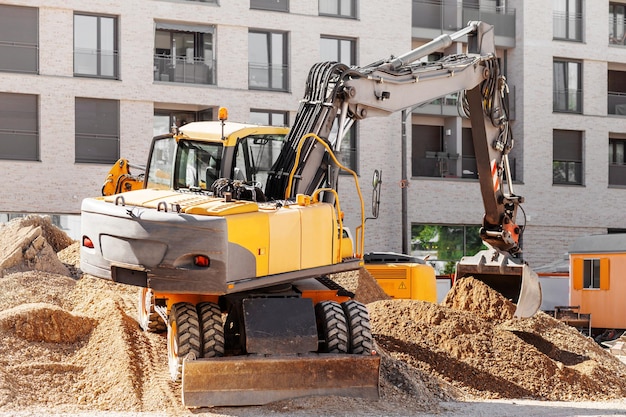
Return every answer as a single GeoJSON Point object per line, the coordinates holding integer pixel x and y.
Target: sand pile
{"type": "Point", "coordinates": [31, 243]}
{"type": "Point", "coordinates": [73, 345]}
{"type": "Point", "coordinates": [489, 355]}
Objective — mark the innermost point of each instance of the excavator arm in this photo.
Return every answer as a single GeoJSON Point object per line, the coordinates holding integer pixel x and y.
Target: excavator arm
{"type": "Point", "coordinates": [336, 96]}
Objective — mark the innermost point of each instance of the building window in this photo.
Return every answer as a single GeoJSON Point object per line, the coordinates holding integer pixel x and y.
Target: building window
{"type": "Point", "coordinates": [567, 163]}
{"type": "Point", "coordinates": [617, 162]}
{"type": "Point", "coordinates": [165, 119]}
{"type": "Point", "coordinates": [269, 117]}
{"type": "Point", "coordinates": [95, 46]}
{"type": "Point", "coordinates": [342, 50]}
{"type": "Point", "coordinates": [567, 87]}
{"type": "Point", "coordinates": [19, 39]}
{"type": "Point", "coordinates": [97, 131]}
{"type": "Point", "coordinates": [568, 18]}
{"type": "Point", "coordinates": [267, 61]}
{"type": "Point", "coordinates": [275, 5]}
{"type": "Point", "coordinates": [617, 22]}
{"type": "Point", "coordinates": [338, 8]}
{"type": "Point", "coordinates": [19, 127]}
{"type": "Point", "coordinates": [445, 245]}
{"type": "Point", "coordinates": [429, 153]}
{"type": "Point", "coordinates": [591, 273]}
{"type": "Point", "coordinates": [184, 53]}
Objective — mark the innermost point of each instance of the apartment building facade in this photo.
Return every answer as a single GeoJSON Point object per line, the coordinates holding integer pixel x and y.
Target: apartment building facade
{"type": "Point", "coordinates": [82, 84]}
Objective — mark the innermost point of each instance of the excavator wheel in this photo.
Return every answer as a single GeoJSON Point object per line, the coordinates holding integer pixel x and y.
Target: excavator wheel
{"type": "Point", "coordinates": [361, 340]}
{"type": "Point", "coordinates": [149, 320]}
{"type": "Point", "coordinates": [183, 337]}
{"type": "Point", "coordinates": [211, 329]}
{"type": "Point", "coordinates": [332, 327]}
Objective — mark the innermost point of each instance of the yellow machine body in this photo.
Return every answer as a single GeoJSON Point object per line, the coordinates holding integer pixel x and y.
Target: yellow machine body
{"type": "Point", "coordinates": [413, 281]}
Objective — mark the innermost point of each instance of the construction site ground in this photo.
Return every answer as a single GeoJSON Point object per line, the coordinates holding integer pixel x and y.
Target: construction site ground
{"type": "Point", "coordinates": [70, 346]}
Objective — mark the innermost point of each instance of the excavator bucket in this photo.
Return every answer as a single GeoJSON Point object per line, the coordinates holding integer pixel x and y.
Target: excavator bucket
{"type": "Point", "coordinates": [514, 280]}
{"type": "Point", "coordinates": [260, 379]}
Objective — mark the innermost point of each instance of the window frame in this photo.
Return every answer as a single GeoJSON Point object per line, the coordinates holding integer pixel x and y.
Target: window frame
{"type": "Point", "coordinates": [565, 106]}
{"type": "Point", "coordinates": [98, 120]}
{"type": "Point", "coordinates": [98, 50]}
{"type": "Point", "coordinates": [285, 67]}
{"type": "Point", "coordinates": [279, 5]}
{"type": "Point", "coordinates": [561, 159]}
{"type": "Point", "coordinates": [271, 114]}
{"type": "Point", "coordinates": [167, 65]}
{"type": "Point", "coordinates": [16, 125]}
{"type": "Point", "coordinates": [15, 44]}
{"type": "Point", "coordinates": [617, 28]}
{"type": "Point", "coordinates": [179, 118]}
{"type": "Point", "coordinates": [572, 20]}
{"type": "Point", "coordinates": [339, 5]}
{"type": "Point", "coordinates": [617, 162]}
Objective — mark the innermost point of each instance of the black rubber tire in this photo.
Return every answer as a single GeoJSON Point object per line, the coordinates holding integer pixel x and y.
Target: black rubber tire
{"type": "Point", "coordinates": [183, 337]}
{"type": "Point", "coordinates": [211, 330]}
{"type": "Point", "coordinates": [360, 331]}
{"type": "Point", "coordinates": [148, 319]}
{"type": "Point", "coordinates": [332, 327]}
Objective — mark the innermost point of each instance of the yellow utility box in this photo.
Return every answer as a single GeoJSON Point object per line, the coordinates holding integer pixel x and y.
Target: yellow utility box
{"type": "Point", "coordinates": [403, 276]}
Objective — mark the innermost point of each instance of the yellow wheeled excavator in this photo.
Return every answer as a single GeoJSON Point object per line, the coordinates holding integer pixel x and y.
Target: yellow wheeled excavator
{"type": "Point", "coordinates": [234, 259]}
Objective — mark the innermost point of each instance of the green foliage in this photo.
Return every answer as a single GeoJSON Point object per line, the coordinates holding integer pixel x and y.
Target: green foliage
{"type": "Point", "coordinates": [451, 242]}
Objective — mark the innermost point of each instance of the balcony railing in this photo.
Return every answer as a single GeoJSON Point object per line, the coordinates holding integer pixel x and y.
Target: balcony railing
{"type": "Point", "coordinates": [569, 101]}
{"type": "Point", "coordinates": [268, 77]}
{"type": "Point", "coordinates": [568, 26]}
{"type": "Point", "coordinates": [184, 70]}
{"type": "Point", "coordinates": [19, 57]}
{"type": "Point", "coordinates": [95, 63]}
{"type": "Point", "coordinates": [450, 15]}
{"type": "Point", "coordinates": [616, 103]}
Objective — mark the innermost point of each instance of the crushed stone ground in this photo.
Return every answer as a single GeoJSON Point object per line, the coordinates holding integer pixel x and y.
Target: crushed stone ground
{"type": "Point", "coordinates": [70, 344]}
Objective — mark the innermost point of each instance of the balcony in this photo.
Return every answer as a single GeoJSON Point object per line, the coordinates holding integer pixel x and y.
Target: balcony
{"type": "Point", "coordinates": [184, 70]}
{"type": "Point", "coordinates": [432, 17]}
{"type": "Point", "coordinates": [616, 103]}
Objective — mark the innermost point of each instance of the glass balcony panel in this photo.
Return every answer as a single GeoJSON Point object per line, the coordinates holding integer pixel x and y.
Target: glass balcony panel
{"type": "Point", "coordinates": [616, 103]}
{"type": "Point", "coordinates": [184, 70]}
{"type": "Point", "coordinates": [448, 15]}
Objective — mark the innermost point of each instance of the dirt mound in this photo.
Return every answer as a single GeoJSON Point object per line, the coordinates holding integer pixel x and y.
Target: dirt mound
{"type": "Point", "coordinates": [473, 295]}
{"type": "Point", "coordinates": [539, 357]}
{"type": "Point", "coordinates": [41, 322]}
{"type": "Point", "coordinates": [30, 243]}
{"type": "Point", "coordinates": [73, 345]}
{"type": "Point", "coordinates": [362, 284]}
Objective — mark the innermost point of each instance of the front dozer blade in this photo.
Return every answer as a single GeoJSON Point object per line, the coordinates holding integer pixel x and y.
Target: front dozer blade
{"type": "Point", "coordinates": [514, 280]}
{"type": "Point", "coordinates": [258, 380]}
